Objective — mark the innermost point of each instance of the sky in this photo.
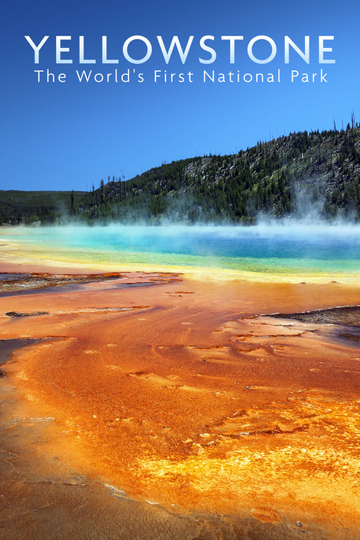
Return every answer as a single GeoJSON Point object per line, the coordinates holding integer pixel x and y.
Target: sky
{"type": "Point", "coordinates": [70, 135]}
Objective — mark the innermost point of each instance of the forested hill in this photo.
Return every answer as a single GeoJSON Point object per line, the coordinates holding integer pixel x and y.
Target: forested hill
{"type": "Point", "coordinates": [298, 174]}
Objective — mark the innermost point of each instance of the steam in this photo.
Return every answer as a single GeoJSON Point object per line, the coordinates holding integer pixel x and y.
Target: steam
{"type": "Point", "coordinates": [309, 199]}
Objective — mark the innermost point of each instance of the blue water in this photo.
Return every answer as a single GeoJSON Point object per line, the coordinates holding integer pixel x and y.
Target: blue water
{"type": "Point", "coordinates": [276, 248]}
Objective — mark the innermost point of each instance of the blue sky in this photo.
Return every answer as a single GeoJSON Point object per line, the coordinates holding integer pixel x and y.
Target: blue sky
{"type": "Point", "coordinates": [63, 136]}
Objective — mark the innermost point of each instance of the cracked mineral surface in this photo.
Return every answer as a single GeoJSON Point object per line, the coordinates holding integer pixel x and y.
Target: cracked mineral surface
{"type": "Point", "coordinates": [178, 411]}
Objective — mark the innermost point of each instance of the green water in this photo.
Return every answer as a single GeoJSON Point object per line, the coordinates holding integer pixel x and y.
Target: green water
{"type": "Point", "coordinates": [286, 248]}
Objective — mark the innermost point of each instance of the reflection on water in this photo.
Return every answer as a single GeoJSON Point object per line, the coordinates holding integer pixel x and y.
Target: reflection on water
{"type": "Point", "coordinates": [276, 248]}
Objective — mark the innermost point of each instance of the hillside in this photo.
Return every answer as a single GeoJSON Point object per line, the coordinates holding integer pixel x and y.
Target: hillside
{"type": "Point", "coordinates": [292, 175]}
{"type": "Point", "coordinates": [299, 174]}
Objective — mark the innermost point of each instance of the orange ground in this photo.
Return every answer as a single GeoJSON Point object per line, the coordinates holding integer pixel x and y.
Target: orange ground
{"type": "Point", "coordinates": [177, 394]}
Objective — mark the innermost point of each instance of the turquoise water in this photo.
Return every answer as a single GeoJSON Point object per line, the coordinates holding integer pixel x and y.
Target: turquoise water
{"type": "Point", "coordinates": [275, 248]}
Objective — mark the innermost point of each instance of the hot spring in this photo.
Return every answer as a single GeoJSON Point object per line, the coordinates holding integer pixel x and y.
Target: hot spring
{"type": "Point", "coordinates": [280, 248]}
